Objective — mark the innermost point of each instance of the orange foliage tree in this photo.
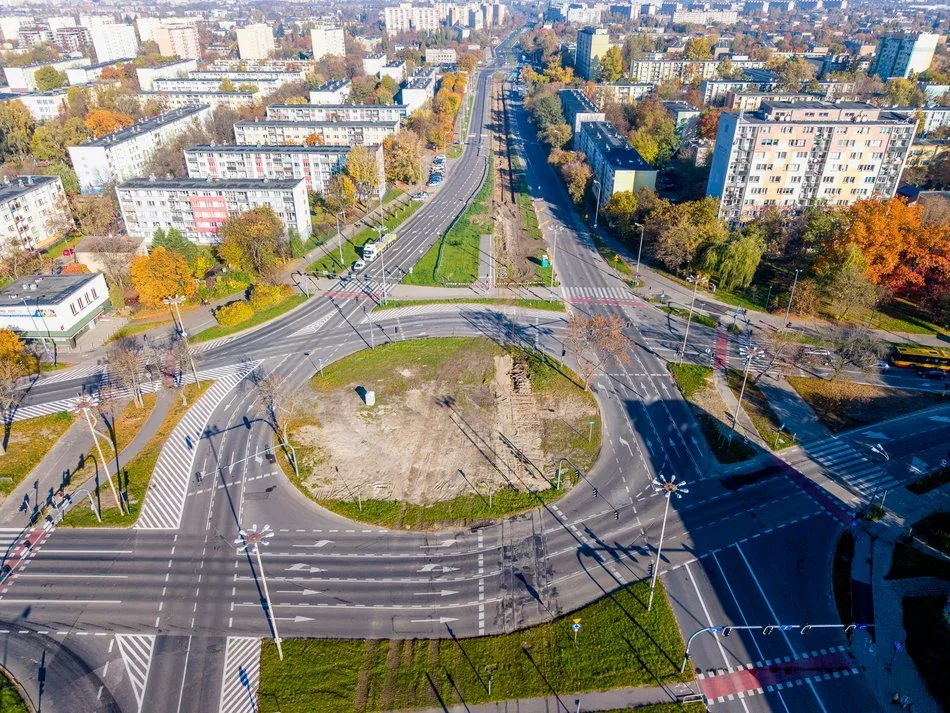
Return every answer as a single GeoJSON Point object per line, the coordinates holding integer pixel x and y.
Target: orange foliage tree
{"type": "Point", "coordinates": [161, 274]}
{"type": "Point", "coordinates": [101, 122]}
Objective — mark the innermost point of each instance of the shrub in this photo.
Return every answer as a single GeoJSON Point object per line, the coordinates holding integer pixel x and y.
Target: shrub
{"type": "Point", "coordinates": [234, 313]}
{"type": "Point", "coordinates": [264, 296]}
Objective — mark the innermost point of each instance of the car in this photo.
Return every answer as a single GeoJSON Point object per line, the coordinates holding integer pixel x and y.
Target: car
{"type": "Point", "coordinates": [359, 265]}
{"type": "Point", "coordinates": [436, 170]}
{"type": "Point", "coordinates": [68, 251]}
{"type": "Point", "coordinates": [435, 180]}
{"type": "Point", "coordinates": [420, 196]}
{"type": "Point", "coordinates": [817, 353]}
{"type": "Point", "coordinates": [440, 157]}
{"type": "Point", "coordinates": [883, 365]}
{"type": "Point", "coordinates": [932, 373]}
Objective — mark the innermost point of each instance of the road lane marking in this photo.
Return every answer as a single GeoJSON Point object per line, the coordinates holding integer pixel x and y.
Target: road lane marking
{"type": "Point", "coordinates": [59, 602]}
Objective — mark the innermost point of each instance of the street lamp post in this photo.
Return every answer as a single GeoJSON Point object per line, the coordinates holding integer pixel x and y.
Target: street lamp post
{"type": "Point", "coordinates": [597, 203]}
{"type": "Point", "coordinates": [176, 302]}
{"type": "Point", "coordinates": [745, 377]}
{"type": "Point", "coordinates": [251, 541]}
{"type": "Point", "coordinates": [689, 319]}
{"type": "Point", "coordinates": [636, 274]}
{"type": "Point", "coordinates": [339, 239]}
{"type": "Point", "coordinates": [791, 296]}
{"type": "Point", "coordinates": [667, 488]}
{"type": "Point", "coordinates": [82, 407]}
{"type": "Point", "coordinates": [557, 229]}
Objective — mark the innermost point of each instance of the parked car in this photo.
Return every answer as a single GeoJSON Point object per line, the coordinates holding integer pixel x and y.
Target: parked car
{"type": "Point", "coordinates": [435, 179]}
{"type": "Point", "coordinates": [420, 196]}
{"type": "Point", "coordinates": [359, 265]}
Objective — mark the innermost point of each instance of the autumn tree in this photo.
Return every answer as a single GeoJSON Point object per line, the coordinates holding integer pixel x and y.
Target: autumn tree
{"type": "Point", "coordinates": [402, 154]}
{"type": "Point", "coordinates": [707, 125]}
{"type": "Point", "coordinates": [596, 340]}
{"type": "Point", "coordinates": [698, 49]}
{"type": "Point", "coordinates": [96, 214]}
{"type": "Point", "coordinates": [16, 129]}
{"type": "Point", "coordinates": [19, 262]}
{"type": "Point", "coordinates": [340, 194]}
{"type": "Point", "coordinates": [102, 122]}
{"type": "Point", "coordinates": [364, 170]}
{"type": "Point", "coordinates": [14, 365]}
{"type": "Point", "coordinates": [125, 364]}
{"type": "Point", "coordinates": [736, 260]}
{"type": "Point", "coordinates": [51, 138]}
{"type": "Point", "coordinates": [793, 73]}
{"type": "Point", "coordinates": [466, 62]}
{"type": "Point", "coordinates": [161, 274]}
{"type": "Point", "coordinates": [903, 92]}
{"type": "Point", "coordinates": [253, 241]}
{"type": "Point", "coordinates": [556, 135]}
{"type": "Point", "coordinates": [545, 109]}
{"type": "Point", "coordinates": [611, 65]}
{"type": "Point", "coordinates": [681, 230]}
{"type": "Point", "coordinates": [847, 284]}
{"type": "Point", "coordinates": [576, 174]}
{"type": "Point", "coordinates": [621, 214]}
{"type": "Point", "coordinates": [48, 78]}
{"type": "Point", "coordinates": [654, 134]}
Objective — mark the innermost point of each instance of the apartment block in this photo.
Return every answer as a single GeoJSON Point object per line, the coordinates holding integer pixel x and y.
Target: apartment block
{"type": "Point", "coordinates": [664, 70]}
{"type": "Point", "coordinates": [212, 99]}
{"type": "Point", "coordinates": [91, 73]}
{"type": "Point", "coordinates": [42, 106]}
{"type": "Point", "coordinates": [406, 16]}
{"type": "Point", "coordinates": [314, 164]}
{"type": "Point", "coordinates": [333, 92]}
{"type": "Point", "coordinates": [55, 307]}
{"type": "Point", "coordinates": [255, 41]}
{"type": "Point", "coordinates": [23, 79]}
{"type": "Point", "coordinates": [327, 41]}
{"type": "Point", "coordinates": [751, 101]}
{"type": "Point", "coordinates": [33, 212]}
{"type": "Point", "coordinates": [440, 56]}
{"type": "Point", "coordinates": [616, 165]}
{"type": "Point", "coordinates": [124, 154]}
{"type": "Point", "coordinates": [198, 207]}
{"type": "Point", "coordinates": [395, 69]}
{"type": "Point", "coordinates": [73, 39]}
{"type": "Point", "coordinates": [900, 54]}
{"type": "Point", "coordinates": [312, 133]}
{"type": "Point", "coordinates": [592, 44]}
{"type": "Point", "coordinates": [337, 112]}
{"type": "Point", "coordinates": [372, 63]}
{"type": "Point", "coordinates": [789, 155]}
{"type": "Point", "coordinates": [416, 92]}
{"type": "Point", "coordinates": [178, 41]}
{"type": "Point", "coordinates": [577, 109]}
{"type": "Point", "coordinates": [203, 86]}
{"type": "Point", "coordinates": [705, 17]}
{"type": "Point", "coordinates": [273, 77]}
{"type": "Point", "coordinates": [148, 75]}
{"type": "Point", "coordinates": [112, 42]}
{"type": "Point", "coordinates": [623, 92]}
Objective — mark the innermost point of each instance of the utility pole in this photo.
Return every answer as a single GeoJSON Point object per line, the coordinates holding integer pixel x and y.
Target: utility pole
{"type": "Point", "coordinates": [557, 229]}
{"type": "Point", "coordinates": [791, 296]}
{"type": "Point", "coordinates": [690, 318]}
{"type": "Point", "coordinates": [636, 274]}
{"type": "Point", "coordinates": [597, 203]}
{"type": "Point", "coordinates": [339, 240]}
{"type": "Point", "coordinates": [251, 541]}
{"type": "Point", "coordinates": [748, 363]}
{"type": "Point", "coordinates": [83, 407]}
{"type": "Point", "coordinates": [667, 488]}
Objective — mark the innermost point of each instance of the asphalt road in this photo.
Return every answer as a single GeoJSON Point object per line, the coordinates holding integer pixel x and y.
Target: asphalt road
{"type": "Point", "coordinates": [158, 615]}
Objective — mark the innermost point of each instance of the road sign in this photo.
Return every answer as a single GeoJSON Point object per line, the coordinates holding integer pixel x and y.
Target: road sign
{"type": "Point", "coordinates": [578, 620]}
{"type": "Point", "coordinates": [576, 627]}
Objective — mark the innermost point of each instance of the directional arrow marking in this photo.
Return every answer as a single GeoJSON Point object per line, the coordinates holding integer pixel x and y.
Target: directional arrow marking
{"type": "Point", "coordinates": [440, 620]}
{"type": "Point", "coordinates": [301, 567]}
{"type": "Point", "coordinates": [295, 619]}
{"type": "Point", "coordinates": [876, 435]}
{"type": "Point", "coordinates": [939, 419]}
{"type": "Point", "coordinates": [318, 543]}
{"type": "Point", "coordinates": [304, 592]}
{"type": "Point", "coordinates": [625, 442]}
{"type": "Point", "coordinates": [437, 568]}
{"type": "Point", "coordinates": [916, 464]}
{"type": "Point", "coordinates": [444, 543]}
{"type": "Point", "coordinates": [443, 593]}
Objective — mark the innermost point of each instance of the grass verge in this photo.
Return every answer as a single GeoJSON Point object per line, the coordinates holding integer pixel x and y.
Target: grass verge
{"type": "Point", "coordinates": [760, 412]}
{"type": "Point", "coordinates": [265, 315]}
{"type": "Point", "coordinates": [352, 247]}
{"type": "Point", "coordinates": [842, 405]}
{"type": "Point", "coordinates": [26, 442]}
{"type": "Point", "coordinates": [551, 305]}
{"type": "Point", "coordinates": [690, 378]}
{"type": "Point", "coordinates": [903, 316]}
{"type": "Point", "coordinates": [841, 576]}
{"type": "Point", "coordinates": [10, 699]}
{"type": "Point", "coordinates": [454, 257]}
{"type": "Point", "coordinates": [133, 328]}
{"type": "Point", "coordinates": [930, 482]}
{"type": "Point", "coordinates": [928, 641]}
{"type": "Point", "coordinates": [935, 531]}
{"type": "Point", "coordinates": [135, 475]}
{"type": "Point", "coordinates": [620, 644]}
{"type": "Point", "coordinates": [612, 258]}
{"type": "Point", "coordinates": [699, 318]}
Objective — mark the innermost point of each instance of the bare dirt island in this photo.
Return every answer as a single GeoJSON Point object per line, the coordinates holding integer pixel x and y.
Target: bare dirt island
{"type": "Point", "coordinates": [453, 418]}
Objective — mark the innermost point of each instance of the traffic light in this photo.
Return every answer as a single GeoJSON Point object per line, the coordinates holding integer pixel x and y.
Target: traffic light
{"type": "Point", "coordinates": [595, 492]}
{"type": "Point", "coordinates": [616, 514]}
{"type": "Point", "coordinates": [563, 352]}
{"type": "Point", "coordinates": [767, 631]}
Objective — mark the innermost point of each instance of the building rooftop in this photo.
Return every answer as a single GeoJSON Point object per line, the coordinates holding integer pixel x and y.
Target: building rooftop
{"type": "Point", "coordinates": [616, 151]}
{"type": "Point", "coordinates": [680, 107]}
{"type": "Point", "coordinates": [198, 184]}
{"type": "Point", "coordinates": [395, 63]}
{"type": "Point", "coordinates": [281, 122]}
{"type": "Point", "coordinates": [110, 63]}
{"type": "Point", "coordinates": [333, 85]}
{"type": "Point", "coordinates": [577, 101]}
{"type": "Point", "coordinates": [267, 148]}
{"type": "Point", "coordinates": [130, 132]}
{"type": "Point", "coordinates": [418, 83]}
{"type": "Point", "coordinates": [22, 184]}
{"type": "Point", "coordinates": [43, 289]}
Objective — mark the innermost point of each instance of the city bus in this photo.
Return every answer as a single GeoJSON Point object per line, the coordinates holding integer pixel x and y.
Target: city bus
{"type": "Point", "coordinates": [921, 358]}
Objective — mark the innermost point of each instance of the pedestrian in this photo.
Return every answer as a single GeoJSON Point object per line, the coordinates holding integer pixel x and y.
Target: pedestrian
{"type": "Point", "coordinates": [896, 699]}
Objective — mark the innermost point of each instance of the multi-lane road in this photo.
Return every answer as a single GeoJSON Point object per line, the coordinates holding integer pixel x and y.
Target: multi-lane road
{"type": "Point", "coordinates": [167, 615]}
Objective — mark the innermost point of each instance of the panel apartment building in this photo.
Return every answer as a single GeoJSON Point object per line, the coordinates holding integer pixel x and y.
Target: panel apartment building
{"type": "Point", "coordinates": [616, 165]}
{"type": "Point", "coordinates": [337, 112]}
{"type": "Point", "coordinates": [213, 99]}
{"type": "Point", "coordinates": [790, 155]}
{"type": "Point", "coordinates": [900, 54]}
{"type": "Point", "coordinates": [33, 212]}
{"type": "Point", "coordinates": [325, 133]}
{"type": "Point", "coordinates": [125, 153]}
{"type": "Point", "coordinates": [198, 207]}
{"type": "Point", "coordinates": [314, 164]}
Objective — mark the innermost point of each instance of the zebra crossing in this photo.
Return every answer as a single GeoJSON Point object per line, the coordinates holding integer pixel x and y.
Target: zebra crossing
{"type": "Point", "coordinates": [242, 673]}
{"type": "Point", "coordinates": [619, 295]}
{"type": "Point", "coordinates": [136, 651]}
{"type": "Point", "coordinates": [838, 459]}
{"type": "Point", "coordinates": [165, 499]}
{"type": "Point", "coordinates": [80, 371]}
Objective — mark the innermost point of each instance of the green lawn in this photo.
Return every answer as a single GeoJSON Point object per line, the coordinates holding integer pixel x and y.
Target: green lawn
{"type": "Point", "coordinates": [765, 420]}
{"type": "Point", "coordinates": [285, 305]}
{"type": "Point", "coordinates": [690, 378]}
{"type": "Point", "coordinates": [10, 699]}
{"type": "Point", "coordinates": [26, 442]}
{"type": "Point", "coordinates": [612, 258]}
{"type": "Point", "coordinates": [454, 257]}
{"type": "Point", "coordinates": [683, 313]}
{"type": "Point", "coordinates": [909, 562]}
{"type": "Point", "coordinates": [903, 316]}
{"type": "Point", "coordinates": [352, 247]}
{"type": "Point", "coordinates": [135, 475]}
{"type": "Point", "coordinates": [620, 644]}
{"type": "Point", "coordinates": [133, 328]}
{"type": "Point", "coordinates": [929, 482]}
{"type": "Point", "coordinates": [551, 305]}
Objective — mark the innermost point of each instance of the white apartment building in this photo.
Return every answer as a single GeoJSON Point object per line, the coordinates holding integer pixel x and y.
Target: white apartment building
{"type": "Point", "coordinates": [178, 41]}
{"type": "Point", "coordinates": [664, 70]}
{"type": "Point", "coordinates": [790, 155]}
{"type": "Point", "coordinates": [73, 39]}
{"type": "Point", "coordinates": [336, 112]}
{"type": "Point", "coordinates": [255, 41]}
{"type": "Point", "coordinates": [33, 212]}
{"type": "Point", "coordinates": [396, 69]}
{"type": "Point", "coordinates": [113, 42]}
{"type": "Point", "coordinates": [323, 133]}
{"type": "Point", "coordinates": [146, 27]}
{"type": "Point", "coordinates": [336, 91]}
{"type": "Point", "coordinates": [416, 92]}
{"type": "Point", "coordinates": [406, 16]}
{"type": "Point", "coordinates": [192, 86]}
{"type": "Point", "coordinates": [148, 75]}
{"type": "Point", "coordinates": [705, 17]}
{"type": "Point", "coordinates": [198, 207]}
{"type": "Point", "coordinates": [327, 41]}
{"type": "Point", "coordinates": [10, 26]}
{"type": "Point", "coordinates": [623, 92]}
{"type": "Point", "coordinates": [372, 63]}
{"type": "Point", "coordinates": [124, 154]}
{"type": "Point", "coordinates": [212, 99]}
{"type": "Point", "coordinates": [23, 79]}
{"type": "Point", "coordinates": [314, 164]}
{"type": "Point", "coordinates": [56, 307]}
{"type": "Point", "coordinates": [440, 56]}
{"type": "Point", "coordinates": [279, 77]}
{"type": "Point", "coordinates": [42, 106]}
{"type": "Point", "coordinates": [900, 54]}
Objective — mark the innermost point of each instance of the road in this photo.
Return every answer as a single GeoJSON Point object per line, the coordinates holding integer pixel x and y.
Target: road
{"type": "Point", "coordinates": [166, 616]}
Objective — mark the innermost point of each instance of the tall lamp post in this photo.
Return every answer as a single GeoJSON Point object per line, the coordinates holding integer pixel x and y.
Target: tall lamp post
{"type": "Point", "coordinates": [791, 296]}
{"type": "Point", "coordinates": [176, 302]}
{"type": "Point", "coordinates": [667, 488]}
{"type": "Point", "coordinates": [689, 319]}
{"type": "Point", "coordinates": [753, 353]}
{"type": "Point", "coordinates": [597, 203]}
{"type": "Point", "coordinates": [82, 407]}
{"type": "Point", "coordinates": [250, 541]}
{"type": "Point", "coordinates": [339, 238]}
{"type": "Point", "coordinates": [557, 229]}
{"type": "Point", "coordinates": [636, 274]}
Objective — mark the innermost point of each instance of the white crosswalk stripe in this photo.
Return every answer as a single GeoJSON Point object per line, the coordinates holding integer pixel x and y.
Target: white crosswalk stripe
{"type": "Point", "coordinates": [242, 673]}
{"type": "Point", "coordinates": [597, 293]}
{"type": "Point", "coordinates": [79, 371]}
{"type": "Point", "coordinates": [136, 651]}
{"type": "Point", "coordinates": [165, 498]}
{"type": "Point", "coordinates": [843, 461]}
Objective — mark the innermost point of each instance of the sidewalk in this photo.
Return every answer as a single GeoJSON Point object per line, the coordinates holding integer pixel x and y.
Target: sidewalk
{"type": "Point", "coordinates": [615, 699]}
{"type": "Point", "coordinates": [793, 410]}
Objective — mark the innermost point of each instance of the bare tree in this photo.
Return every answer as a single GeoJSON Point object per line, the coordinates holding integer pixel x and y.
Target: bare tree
{"type": "Point", "coordinates": [278, 399]}
{"type": "Point", "coordinates": [595, 340]}
{"type": "Point", "coordinates": [857, 346]}
{"type": "Point", "coordinates": [114, 253]}
{"type": "Point", "coordinates": [180, 359]}
{"type": "Point", "coordinates": [10, 372]}
{"type": "Point", "coordinates": [125, 363]}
